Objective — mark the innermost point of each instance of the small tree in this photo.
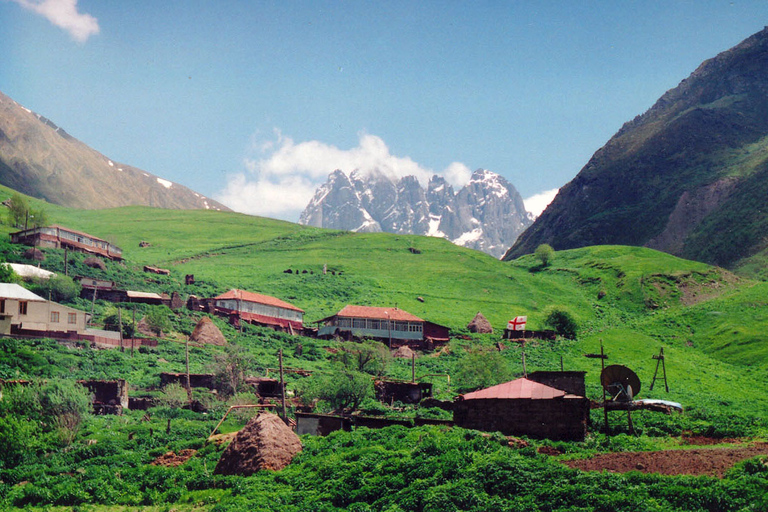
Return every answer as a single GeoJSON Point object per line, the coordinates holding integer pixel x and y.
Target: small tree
{"type": "Point", "coordinates": [342, 390]}
{"type": "Point", "coordinates": [367, 356]}
{"type": "Point", "coordinates": [562, 322]}
{"type": "Point", "coordinates": [544, 253]}
{"type": "Point", "coordinates": [59, 287]}
{"type": "Point", "coordinates": [18, 209]}
{"type": "Point", "coordinates": [480, 370]}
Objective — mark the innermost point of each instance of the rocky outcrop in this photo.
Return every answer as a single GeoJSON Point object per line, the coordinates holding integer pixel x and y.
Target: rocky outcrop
{"type": "Point", "coordinates": [485, 214]}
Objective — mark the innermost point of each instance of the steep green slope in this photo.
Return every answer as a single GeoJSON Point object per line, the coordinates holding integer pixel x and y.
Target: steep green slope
{"type": "Point", "coordinates": [686, 177]}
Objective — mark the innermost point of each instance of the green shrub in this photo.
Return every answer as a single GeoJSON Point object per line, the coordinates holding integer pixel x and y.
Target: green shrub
{"type": "Point", "coordinates": [481, 369]}
{"type": "Point", "coordinates": [342, 390]}
{"type": "Point", "coordinates": [562, 322]}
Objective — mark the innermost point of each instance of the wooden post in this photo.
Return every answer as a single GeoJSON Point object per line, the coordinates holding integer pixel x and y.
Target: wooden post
{"type": "Point", "coordinates": [660, 360]}
{"type": "Point", "coordinates": [93, 305]}
{"type": "Point", "coordinates": [282, 386]}
{"type": "Point", "coordinates": [186, 357]}
{"type": "Point", "coordinates": [605, 405]}
{"type": "Point", "coordinates": [561, 363]}
{"type": "Point", "coordinates": [133, 331]}
{"type": "Point", "coordinates": [120, 327]}
{"type": "Point", "coordinates": [413, 367]}
{"type": "Point", "coordinates": [66, 259]}
{"type": "Point", "coordinates": [525, 372]}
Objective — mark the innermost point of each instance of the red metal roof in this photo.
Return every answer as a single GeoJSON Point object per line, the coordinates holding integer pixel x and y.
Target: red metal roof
{"type": "Point", "coordinates": [518, 388]}
{"type": "Point", "coordinates": [258, 299]}
{"type": "Point", "coordinates": [378, 313]}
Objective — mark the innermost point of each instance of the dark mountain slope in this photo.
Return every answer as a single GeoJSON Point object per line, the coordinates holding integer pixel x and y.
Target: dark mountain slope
{"type": "Point", "coordinates": [678, 177]}
{"type": "Point", "coordinates": [41, 160]}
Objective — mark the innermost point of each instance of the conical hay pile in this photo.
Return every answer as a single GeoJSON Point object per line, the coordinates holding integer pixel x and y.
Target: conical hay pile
{"type": "Point", "coordinates": [265, 442]}
{"type": "Point", "coordinates": [404, 352]}
{"type": "Point", "coordinates": [480, 324]}
{"type": "Point", "coordinates": [207, 332]}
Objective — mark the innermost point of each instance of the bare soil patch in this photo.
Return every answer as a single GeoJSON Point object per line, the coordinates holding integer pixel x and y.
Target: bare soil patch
{"type": "Point", "coordinates": [700, 461]}
{"type": "Point", "coordinates": [171, 459]}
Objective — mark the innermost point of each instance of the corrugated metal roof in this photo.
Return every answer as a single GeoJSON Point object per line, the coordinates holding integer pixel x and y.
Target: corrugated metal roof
{"type": "Point", "coordinates": [378, 313]}
{"type": "Point", "coordinates": [14, 291]}
{"type": "Point", "coordinates": [143, 295]}
{"type": "Point", "coordinates": [518, 388]}
{"type": "Point", "coordinates": [257, 298]}
{"type": "Point", "coordinates": [29, 270]}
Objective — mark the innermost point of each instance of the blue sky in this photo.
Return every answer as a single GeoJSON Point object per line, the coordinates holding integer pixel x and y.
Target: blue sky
{"type": "Point", "coordinates": [255, 102]}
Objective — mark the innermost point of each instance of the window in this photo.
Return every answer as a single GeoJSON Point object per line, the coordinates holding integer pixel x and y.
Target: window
{"type": "Point", "coordinates": [71, 318]}
{"type": "Point", "coordinates": [358, 323]}
{"type": "Point", "coordinates": [54, 317]}
{"type": "Point", "coordinates": [2, 305]}
{"type": "Point", "coordinates": [23, 307]}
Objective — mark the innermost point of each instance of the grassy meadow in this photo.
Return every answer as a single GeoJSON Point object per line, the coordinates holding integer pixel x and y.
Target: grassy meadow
{"type": "Point", "coordinates": [710, 322]}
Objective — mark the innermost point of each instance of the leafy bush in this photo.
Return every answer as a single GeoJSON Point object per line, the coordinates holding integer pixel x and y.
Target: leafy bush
{"type": "Point", "coordinates": [342, 390]}
{"type": "Point", "coordinates": [481, 369]}
{"type": "Point", "coordinates": [544, 253]}
{"type": "Point", "coordinates": [367, 356]}
{"type": "Point", "coordinates": [173, 395]}
{"type": "Point", "coordinates": [562, 322]}
{"type": "Point", "coordinates": [59, 288]}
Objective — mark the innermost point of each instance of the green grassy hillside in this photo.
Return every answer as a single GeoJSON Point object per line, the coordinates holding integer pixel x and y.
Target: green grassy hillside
{"type": "Point", "coordinates": [633, 301]}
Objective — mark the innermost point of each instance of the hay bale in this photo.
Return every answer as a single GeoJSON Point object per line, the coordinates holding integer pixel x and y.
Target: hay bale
{"type": "Point", "coordinates": [207, 332]}
{"type": "Point", "coordinates": [94, 262]}
{"type": "Point", "coordinates": [34, 254]}
{"type": "Point", "coordinates": [480, 324]}
{"type": "Point", "coordinates": [265, 442]}
{"type": "Point", "coordinates": [404, 352]}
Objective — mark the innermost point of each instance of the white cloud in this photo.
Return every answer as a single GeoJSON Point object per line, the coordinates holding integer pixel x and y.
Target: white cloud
{"type": "Point", "coordinates": [538, 202]}
{"type": "Point", "coordinates": [63, 14]}
{"type": "Point", "coordinates": [281, 180]}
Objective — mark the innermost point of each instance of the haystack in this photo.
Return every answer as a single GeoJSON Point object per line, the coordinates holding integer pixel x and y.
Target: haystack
{"type": "Point", "coordinates": [207, 332]}
{"type": "Point", "coordinates": [480, 324]}
{"type": "Point", "coordinates": [404, 352]}
{"type": "Point", "coordinates": [265, 442]}
{"type": "Point", "coordinates": [35, 254]}
{"type": "Point", "coordinates": [94, 262]}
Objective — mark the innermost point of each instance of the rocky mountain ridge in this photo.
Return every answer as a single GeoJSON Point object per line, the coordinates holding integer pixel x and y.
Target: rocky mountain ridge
{"type": "Point", "coordinates": [485, 214]}
{"type": "Point", "coordinates": [42, 160]}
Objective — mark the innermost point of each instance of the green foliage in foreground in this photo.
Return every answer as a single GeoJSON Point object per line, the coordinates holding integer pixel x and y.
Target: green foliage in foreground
{"type": "Point", "coordinates": [392, 469]}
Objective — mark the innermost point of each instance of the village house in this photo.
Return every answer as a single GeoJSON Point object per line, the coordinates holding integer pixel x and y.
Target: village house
{"type": "Point", "coordinates": [60, 237]}
{"type": "Point", "coordinates": [21, 311]}
{"type": "Point", "coordinates": [256, 308]}
{"type": "Point", "coordinates": [524, 407]}
{"type": "Point", "coordinates": [393, 326]}
{"type": "Point", "coordinates": [25, 314]}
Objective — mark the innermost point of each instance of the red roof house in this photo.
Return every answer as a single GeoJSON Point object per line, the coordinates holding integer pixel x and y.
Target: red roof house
{"type": "Point", "coordinates": [260, 309]}
{"type": "Point", "coordinates": [392, 325]}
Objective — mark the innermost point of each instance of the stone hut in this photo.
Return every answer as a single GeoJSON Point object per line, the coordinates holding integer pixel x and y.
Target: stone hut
{"type": "Point", "coordinates": [524, 407]}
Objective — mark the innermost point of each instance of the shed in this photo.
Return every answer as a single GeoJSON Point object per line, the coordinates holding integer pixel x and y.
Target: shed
{"type": "Point", "coordinates": [524, 407]}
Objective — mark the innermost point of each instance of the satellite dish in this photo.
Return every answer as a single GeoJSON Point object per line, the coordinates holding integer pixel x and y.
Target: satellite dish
{"type": "Point", "coordinates": [620, 382]}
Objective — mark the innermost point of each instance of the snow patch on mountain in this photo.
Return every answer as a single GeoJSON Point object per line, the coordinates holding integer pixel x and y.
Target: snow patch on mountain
{"type": "Point", "coordinates": [487, 214]}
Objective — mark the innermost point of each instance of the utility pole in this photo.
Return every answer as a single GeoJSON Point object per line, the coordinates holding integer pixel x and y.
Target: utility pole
{"type": "Point", "coordinates": [186, 358]}
{"type": "Point", "coordinates": [120, 327]}
{"type": "Point", "coordinates": [282, 386]}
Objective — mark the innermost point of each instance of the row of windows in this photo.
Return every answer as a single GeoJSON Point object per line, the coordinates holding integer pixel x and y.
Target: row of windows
{"type": "Point", "coordinates": [380, 325]}
{"type": "Point", "coordinates": [55, 315]}
{"type": "Point", "coordinates": [71, 317]}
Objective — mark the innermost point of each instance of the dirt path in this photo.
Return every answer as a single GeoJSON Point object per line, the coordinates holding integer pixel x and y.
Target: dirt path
{"type": "Point", "coordinates": [697, 461]}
